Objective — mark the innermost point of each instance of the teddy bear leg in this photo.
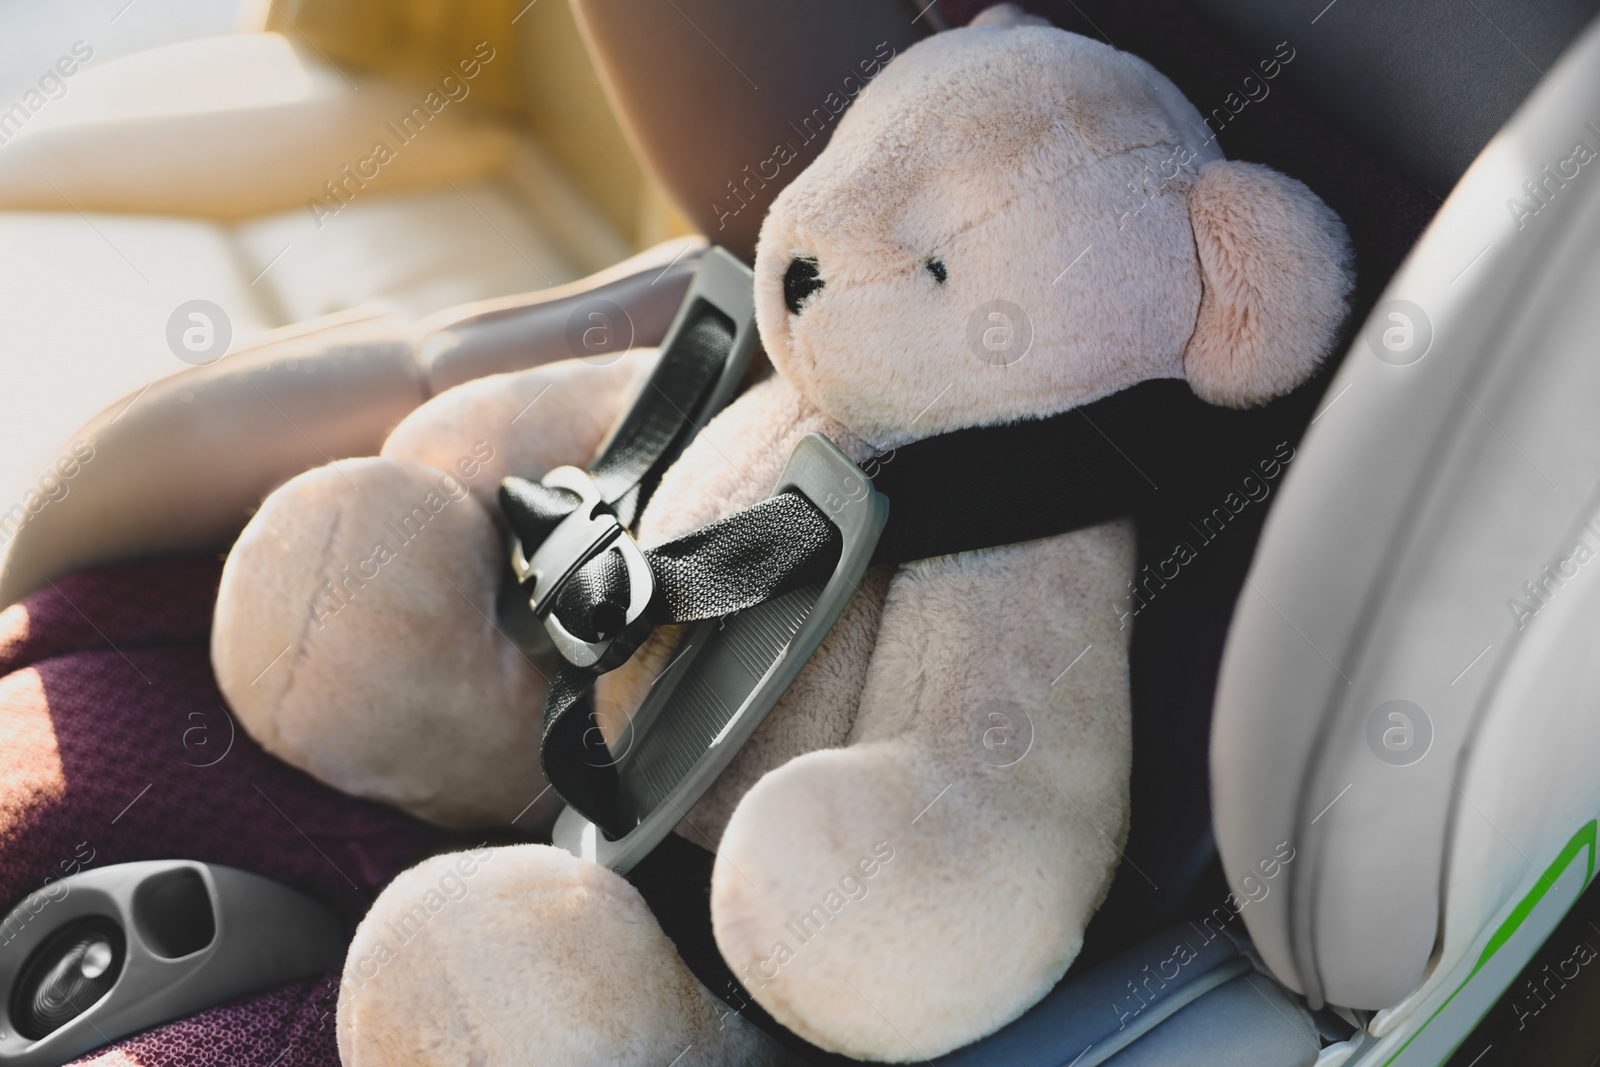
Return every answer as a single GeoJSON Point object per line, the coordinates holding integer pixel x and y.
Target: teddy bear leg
{"type": "Point", "coordinates": [357, 631]}
{"type": "Point", "coordinates": [355, 637]}
{"type": "Point", "coordinates": [923, 886]}
{"type": "Point", "coordinates": [527, 957]}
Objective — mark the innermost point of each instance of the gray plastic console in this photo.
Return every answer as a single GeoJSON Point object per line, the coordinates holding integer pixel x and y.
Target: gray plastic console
{"type": "Point", "coordinates": [193, 934]}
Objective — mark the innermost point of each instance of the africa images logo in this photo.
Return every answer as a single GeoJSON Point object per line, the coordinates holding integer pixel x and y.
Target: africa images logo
{"type": "Point", "coordinates": [199, 332]}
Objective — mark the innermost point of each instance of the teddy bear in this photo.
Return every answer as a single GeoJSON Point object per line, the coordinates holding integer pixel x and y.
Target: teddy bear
{"type": "Point", "coordinates": [882, 886]}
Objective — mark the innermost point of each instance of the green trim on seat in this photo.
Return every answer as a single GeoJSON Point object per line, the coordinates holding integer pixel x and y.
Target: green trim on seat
{"type": "Point", "coordinates": [1585, 837]}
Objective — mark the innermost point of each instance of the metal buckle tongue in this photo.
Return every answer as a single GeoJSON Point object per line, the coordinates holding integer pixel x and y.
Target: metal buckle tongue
{"type": "Point", "coordinates": [579, 538]}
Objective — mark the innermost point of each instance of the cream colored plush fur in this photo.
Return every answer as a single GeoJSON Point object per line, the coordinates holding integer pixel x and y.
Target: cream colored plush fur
{"type": "Point", "coordinates": [910, 848]}
{"type": "Point", "coordinates": [501, 989]}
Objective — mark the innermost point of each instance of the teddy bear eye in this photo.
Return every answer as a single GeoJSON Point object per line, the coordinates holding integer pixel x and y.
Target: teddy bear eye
{"type": "Point", "coordinates": [936, 268]}
{"type": "Point", "coordinates": [800, 281]}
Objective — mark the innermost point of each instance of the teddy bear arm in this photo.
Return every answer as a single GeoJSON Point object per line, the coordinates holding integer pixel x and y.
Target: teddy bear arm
{"type": "Point", "coordinates": [523, 423]}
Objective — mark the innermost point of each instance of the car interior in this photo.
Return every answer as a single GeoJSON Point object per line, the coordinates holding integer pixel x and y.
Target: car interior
{"type": "Point", "coordinates": [1284, 899]}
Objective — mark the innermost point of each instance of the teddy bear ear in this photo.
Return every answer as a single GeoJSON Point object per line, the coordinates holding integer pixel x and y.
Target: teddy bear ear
{"type": "Point", "coordinates": [1275, 263]}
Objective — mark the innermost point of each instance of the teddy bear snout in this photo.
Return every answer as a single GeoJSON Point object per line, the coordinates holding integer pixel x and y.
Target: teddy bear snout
{"type": "Point", "coordinates": [799, 282]}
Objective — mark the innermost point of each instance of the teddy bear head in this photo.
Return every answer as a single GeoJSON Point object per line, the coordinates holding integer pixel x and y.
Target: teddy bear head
{"type": "Point", "coordinates": [1014, 220]}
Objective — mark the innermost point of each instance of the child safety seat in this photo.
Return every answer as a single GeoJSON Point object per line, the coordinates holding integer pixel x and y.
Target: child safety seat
{"type": "Point", "coordinates": [1390, 680]}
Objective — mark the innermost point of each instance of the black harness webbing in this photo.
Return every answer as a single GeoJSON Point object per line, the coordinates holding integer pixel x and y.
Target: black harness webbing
{"type": "Point", "coordinates": [676, 400]}
{"type": "Point", "coordinates": [1148, 446]}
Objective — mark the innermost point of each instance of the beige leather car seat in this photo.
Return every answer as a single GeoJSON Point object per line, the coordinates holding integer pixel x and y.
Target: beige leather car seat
{"type": "Point", "coordinates": [250, 172]}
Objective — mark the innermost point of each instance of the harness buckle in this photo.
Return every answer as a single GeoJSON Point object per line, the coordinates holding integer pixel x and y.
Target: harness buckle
{"type": "Point", "coordinates": [580, 537]}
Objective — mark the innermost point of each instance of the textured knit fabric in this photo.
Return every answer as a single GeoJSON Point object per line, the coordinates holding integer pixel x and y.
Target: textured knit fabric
{"type": "Point", "coordinates": [115, 746]}
{"type": "Point", "coordinates": [288, 1027]}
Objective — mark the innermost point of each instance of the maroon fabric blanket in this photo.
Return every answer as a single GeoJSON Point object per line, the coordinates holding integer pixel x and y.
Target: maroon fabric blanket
{"type": "Point", "coordinates": [288, 1027]}
{"type": "Point", "coordinates": [115, 745]}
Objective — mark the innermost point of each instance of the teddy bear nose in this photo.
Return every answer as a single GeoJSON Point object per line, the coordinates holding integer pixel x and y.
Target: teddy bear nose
{"type": "Point", "coordinates": [799, 282]}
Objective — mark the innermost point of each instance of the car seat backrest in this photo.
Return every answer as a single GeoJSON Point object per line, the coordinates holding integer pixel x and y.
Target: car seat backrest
{"type": "Point", "coordinates": [727, 101]}
{"type": "Point", "coordinates": [1424, 84]}
{"type": "Point", "coordinates": [709, 89]}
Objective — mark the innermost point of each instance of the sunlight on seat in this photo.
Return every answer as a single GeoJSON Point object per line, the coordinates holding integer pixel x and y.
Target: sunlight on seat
{"type": "Point", "coordinates": [32, 774]}
{"type": "Point", "coordinates": [195, 77]}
